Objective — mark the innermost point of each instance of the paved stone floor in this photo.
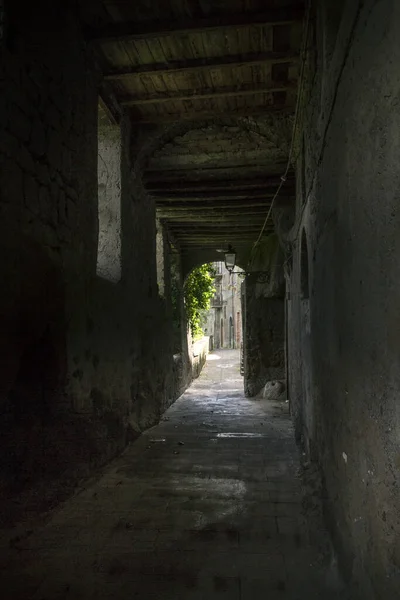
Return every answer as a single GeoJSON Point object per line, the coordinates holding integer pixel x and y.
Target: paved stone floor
{"type": "Point", "coordinates": [207, 505]}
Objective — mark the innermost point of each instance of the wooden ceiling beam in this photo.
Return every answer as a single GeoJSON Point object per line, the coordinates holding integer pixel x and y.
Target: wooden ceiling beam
{"type": "Point", "coordinates": [207, 173]}
{"type": "Point", "coordinates": [215, 186]}
{"type": "Point", "coordinates": [211, 195]}
{"type": "Point", "coordinates": [214, 224]}
{"type": "Point", "coordinates": [251, 238]}
{"type": "Point", "coordinates": [209, 116]}
{"type": "Point", "coordinates": [218, 233]}
{"type": "Point", "coordinates": [215, 208]}
{"type": "Point", "coordinates": [222, 241]}
{"type": "Point", "coordinates": [236, 61]}
{"type": "Point", "coordinates": [186, 249]}
{"type": "Point", "coordinates": [213, 217]}
{"type": "Point", "coordinates": [130, 31]}
{"type": "Point", "coordinates": [228, 92]}
{"type": "Point", "coordinates": [254, 227]}
{"type": "Point", "coordinates": [240, 241]}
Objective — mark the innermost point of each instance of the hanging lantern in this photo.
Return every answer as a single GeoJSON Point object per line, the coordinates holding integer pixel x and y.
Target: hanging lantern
{"type": "Point", "coordinates": [230, 259]}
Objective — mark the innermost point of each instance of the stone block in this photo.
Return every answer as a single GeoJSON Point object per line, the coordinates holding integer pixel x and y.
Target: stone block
{"type": "Point", "coordinates": [53, 117]}
{"type": "Point", "coordinates": [8, 144]}
{"type": "Point", "coordinates": [49, 235]}
{"type": "Point", "coordinates": [72, 195]}
{"type": "Point", "coordinates": [54, 196]}
{"type": "Point", "coordinates": [37, 76]}
{"type": "Point", "coordinates": [67, 161]}
{"type": "Point", "coordinates": [31, 194]}
{"type": "Point", "coordinates": [55, 149]}
{"type": "Point", "coordinates": [71, 211]}
{"type": "Point", "coordinates": [62, 207]}
{"type": "Point", "coordinates": [26, 161]}
{"type": "Point", "coordinates": [43, 174]}
{"type": "Point", "coordinates": [38, 143]}
{"type": "Point", "coordinates": [44, 201]}
{"type": "Point", "coordinates": [64, 233]}
{"type": "Point", "coordinates": [20, 125]}
{"type": "Point", "coordinates": [11, 183]}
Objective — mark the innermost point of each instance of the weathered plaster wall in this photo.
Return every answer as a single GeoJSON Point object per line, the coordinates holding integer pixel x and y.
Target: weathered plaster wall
{"type": "Point", "coordinates": [86, 363]}
{"type": "Point", "coordinates": [109, 202]}
{"type": "Point", "coordinates": [343, 340]}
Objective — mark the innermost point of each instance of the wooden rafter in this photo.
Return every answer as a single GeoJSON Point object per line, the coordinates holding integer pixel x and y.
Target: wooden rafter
{"type": "Point", "coordinates": [201, 64]}
{"type": "Point", "coordinates": [223, 112]}
{"type": "Point", "coordinates": [211, 211]}
{"type": "Point", "coordinates": [216, 217]}
{"type": "Point", "coordinates": [262, 183]}
{"type": "Point", "coordinates": [217, 207]}
{"type": "Point", "coordinates": [216, 232]}
{"type": "Point", "coordinates": [211, 195]}
{"type": "Point", "coordinates": [217, 239]}
{"type": "Point", "coordinates": [229, 92]}
{"type": "Point", "coordinates": [119, 32]}
{"type": "Point", "coordinates": [209, 173]}
{"type": "Point", "coordinates": [218, 242]}
{"type": "Point", "coordinates": [212, 207]}
{"type": "Point", "coordinates": [217, 227]}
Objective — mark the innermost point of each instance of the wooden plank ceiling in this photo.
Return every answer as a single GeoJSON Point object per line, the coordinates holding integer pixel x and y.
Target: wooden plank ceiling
{"type": "Point", "coordinates": [205, 63]}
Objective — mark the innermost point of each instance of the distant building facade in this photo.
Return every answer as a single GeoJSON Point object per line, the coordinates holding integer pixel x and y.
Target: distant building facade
{"type": "Point", "coordinates": [223, 322]}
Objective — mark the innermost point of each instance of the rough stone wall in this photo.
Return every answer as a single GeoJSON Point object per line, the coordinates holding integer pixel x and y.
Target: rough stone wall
{"type": "Point", "coordinates": [86, 363]}
{"type": "Point", "coordinates": [264, 358]}
{"type": "Point", "coordinates": [343, 340]}
{"type": "Point", "coordinates": [48, 113]}
{"type": "Point", "coordinates": [264, 319]}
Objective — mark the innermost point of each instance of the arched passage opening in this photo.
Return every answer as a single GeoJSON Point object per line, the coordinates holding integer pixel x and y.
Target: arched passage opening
{"type": "Point", "coordinates": [212, 182]}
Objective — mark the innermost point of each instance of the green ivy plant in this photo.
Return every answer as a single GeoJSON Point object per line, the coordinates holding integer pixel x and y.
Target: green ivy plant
{"type": "Point", "coordinates": [199, 289]}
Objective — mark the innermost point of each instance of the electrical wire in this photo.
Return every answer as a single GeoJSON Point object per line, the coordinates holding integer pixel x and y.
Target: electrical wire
{"type": "Point", "coordinates": [295, 122]}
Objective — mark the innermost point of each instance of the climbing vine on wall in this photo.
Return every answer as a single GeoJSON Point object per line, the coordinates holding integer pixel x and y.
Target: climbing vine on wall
{"type": "Point", "coordinates": [199, 289]}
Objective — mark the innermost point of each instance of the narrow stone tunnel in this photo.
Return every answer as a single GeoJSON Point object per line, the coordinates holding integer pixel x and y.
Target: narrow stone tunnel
{"type": "Point", "coordinates": [138, 141]}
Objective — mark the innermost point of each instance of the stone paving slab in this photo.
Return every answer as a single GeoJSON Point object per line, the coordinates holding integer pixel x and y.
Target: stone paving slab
{"type": "Point", "coordinates": [207, 505]}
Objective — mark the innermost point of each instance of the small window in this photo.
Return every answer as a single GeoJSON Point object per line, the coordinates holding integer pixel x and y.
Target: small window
{"type": "Point", "coordinates": [109, 199]}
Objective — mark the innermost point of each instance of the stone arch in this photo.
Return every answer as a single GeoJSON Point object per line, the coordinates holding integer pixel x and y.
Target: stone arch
{"type": "Point", "coordinates": [196, 259]}
{"type": "Point", "coordinates": [275, 128]}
